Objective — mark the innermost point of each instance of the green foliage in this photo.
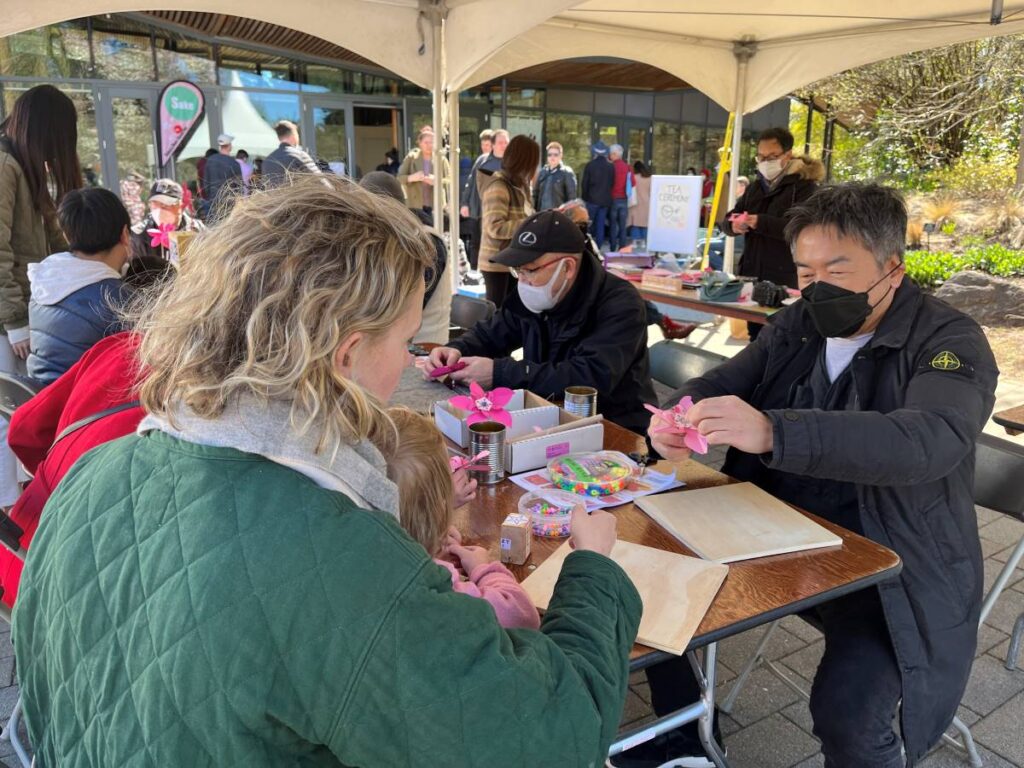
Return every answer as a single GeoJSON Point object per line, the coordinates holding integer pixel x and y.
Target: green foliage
{"type": "Point", "coordinates": [948, 228]}
{"type": "Point", "coordinates": [975, 175]}
{"type": "Point", "coordinates": [932, 268]}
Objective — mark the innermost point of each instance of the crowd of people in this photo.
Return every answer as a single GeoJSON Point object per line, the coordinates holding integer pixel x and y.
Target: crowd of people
{"type": "Point", "coordinates": [239, 554]}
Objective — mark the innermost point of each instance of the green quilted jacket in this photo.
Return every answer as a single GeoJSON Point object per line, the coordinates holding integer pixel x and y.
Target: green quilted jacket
{"type": "Point", "coordinates": [185, 605]}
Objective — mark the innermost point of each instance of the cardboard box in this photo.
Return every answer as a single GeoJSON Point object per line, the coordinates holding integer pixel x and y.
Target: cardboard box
{"type": "Point", "coordinates": [516, 535]}
{"type": "Point", "coordinates": [526, 448]}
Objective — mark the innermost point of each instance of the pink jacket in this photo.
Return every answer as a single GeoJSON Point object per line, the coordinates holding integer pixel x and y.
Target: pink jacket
{"type": "Point", "coordinates": [496, 584]}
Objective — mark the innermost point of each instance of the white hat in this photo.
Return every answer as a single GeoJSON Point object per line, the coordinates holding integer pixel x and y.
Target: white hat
{"type": "Point", "coordinates": [224, 139]}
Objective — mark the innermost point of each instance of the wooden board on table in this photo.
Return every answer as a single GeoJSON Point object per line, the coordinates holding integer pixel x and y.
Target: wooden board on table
{"type": "Point", "coordinates": [735, 522]}
{"type": "Point", "coordinates": [676, 590]}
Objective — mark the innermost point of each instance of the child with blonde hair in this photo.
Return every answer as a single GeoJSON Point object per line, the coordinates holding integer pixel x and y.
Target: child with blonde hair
{"type": "Point", "coordinates": [418, 464]}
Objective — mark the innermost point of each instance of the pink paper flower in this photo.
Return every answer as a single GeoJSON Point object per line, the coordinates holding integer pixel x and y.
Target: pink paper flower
{"type": "Point", "coordinates": [161, 236]}
{"type": "Point", "coordinates": [676, 423]}
{"type": "Point", "coordinates": [484, 406]}
{"type": "Point", "coordinates": [461, 462]}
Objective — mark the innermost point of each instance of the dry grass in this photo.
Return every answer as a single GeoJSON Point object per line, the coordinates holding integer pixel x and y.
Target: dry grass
{"type": "Point", "coordinates": [915, 232]}
{"type": "Point", "coordinates": [1004, 219]}
{"type": "Point", "coordinates": [940, 209]}
{"type": "Point", "coordinates": [1008, 347]}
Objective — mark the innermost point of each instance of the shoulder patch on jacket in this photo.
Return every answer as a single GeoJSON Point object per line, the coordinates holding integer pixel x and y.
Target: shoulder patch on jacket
{"type": "Point", "coordinates": [947, 361]}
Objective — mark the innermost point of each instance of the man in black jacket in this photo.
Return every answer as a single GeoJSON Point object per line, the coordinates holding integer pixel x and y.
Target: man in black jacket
{"type": "Point", "coordinates": [288, 158]}
{"type": "Point", "coordinates": [577, 326]}
{"type": "Point", "coordinates": [596, 190]}
{"type": "Point", "coordinates": [556, 184]}
{"type": "Point", "coordinates": [782, 181]}
{"type": "Point", "coordinates": [222, 178]}
{"type": "Point", "coordinates": [492, 150]}
{"type": "Point", "coordinates": [862, 403]}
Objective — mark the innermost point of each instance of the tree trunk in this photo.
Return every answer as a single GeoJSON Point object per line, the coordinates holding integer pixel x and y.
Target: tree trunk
{"type": "Point", "coordinates": [1020, 157]}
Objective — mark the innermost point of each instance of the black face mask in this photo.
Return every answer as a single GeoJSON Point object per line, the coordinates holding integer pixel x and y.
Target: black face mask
{"type": "Point", "coordinates": [837, 312]}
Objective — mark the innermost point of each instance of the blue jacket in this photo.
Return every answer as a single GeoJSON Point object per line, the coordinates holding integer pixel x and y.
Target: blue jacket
{"type": "Point", "coordinates": [73, 306]}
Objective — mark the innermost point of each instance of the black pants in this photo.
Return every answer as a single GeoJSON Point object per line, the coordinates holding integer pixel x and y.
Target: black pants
{"type": "Point", "coordinates": [473, 244]}
{"type": "Point", "coordinates": [855, 693]}
{"type": "Point", "coordinates": [498, 286]}
{"type": "Point", "coordinates": [753, 329]}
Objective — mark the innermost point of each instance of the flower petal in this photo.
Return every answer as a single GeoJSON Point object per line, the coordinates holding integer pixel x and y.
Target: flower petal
{"type": "Point", "coordinates": [476, 391]}
{"type": "Point", "coordinates": [501, 396]}
{"type": "Point", "coordinates": [462, 402]}
{"type": "Point", "coordinates": [502, 417]}
{"type": "Point", "coordinates": [685, 404]}
{"type": "Point", "coordinates": [476, 417]}
{"type": "Point", "coordinates": [695, 441]}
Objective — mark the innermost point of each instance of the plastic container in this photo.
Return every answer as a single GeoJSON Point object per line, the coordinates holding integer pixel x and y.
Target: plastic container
{"type": "Point", "coordinates": [593, 474]}
{"type": "Point", "coordinates": [550, 512]}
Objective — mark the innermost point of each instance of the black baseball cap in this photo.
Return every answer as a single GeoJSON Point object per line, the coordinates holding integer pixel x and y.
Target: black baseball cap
{"type": "Point", "coordinates": [544, 232]}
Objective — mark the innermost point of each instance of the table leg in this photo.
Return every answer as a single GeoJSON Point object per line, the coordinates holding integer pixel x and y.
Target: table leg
{"type": "Point", "coordinates": [706, 721]}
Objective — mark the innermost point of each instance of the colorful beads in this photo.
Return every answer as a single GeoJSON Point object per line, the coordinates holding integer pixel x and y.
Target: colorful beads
{"type": "Point", "coordinates": [550, 512]}
{"type": "Point", "coordinates": [592, 474]}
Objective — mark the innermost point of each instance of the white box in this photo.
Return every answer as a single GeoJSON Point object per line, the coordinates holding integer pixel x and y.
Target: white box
{"type": "Point", "coordinates": [560, 432]}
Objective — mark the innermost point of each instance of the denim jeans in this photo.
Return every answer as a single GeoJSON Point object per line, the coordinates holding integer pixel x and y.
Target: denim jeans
{"type": "Point", "coordinates": [620, 213]}
{"type": "Point", "coordinates": [598, 218]}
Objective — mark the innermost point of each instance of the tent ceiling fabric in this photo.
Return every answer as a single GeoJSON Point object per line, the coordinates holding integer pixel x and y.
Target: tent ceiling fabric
{"type": "Point", "coordinates": [798, 41]}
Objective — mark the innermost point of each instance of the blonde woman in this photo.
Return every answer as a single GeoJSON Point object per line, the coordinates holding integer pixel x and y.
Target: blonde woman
{"type": "Point", "coordinates": [231, 586]}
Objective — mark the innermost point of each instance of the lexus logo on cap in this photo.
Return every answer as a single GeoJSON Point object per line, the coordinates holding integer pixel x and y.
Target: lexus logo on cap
{"type": "Point", "coordinates": [528, 238]}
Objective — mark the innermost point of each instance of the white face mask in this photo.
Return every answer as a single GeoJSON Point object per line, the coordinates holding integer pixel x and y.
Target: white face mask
{"type": "Point", "coordinates": [770, 169]}
{"type": "Point", "coordinates": [541, 298]}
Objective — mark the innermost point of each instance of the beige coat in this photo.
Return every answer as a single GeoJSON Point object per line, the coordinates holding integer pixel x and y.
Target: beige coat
{"type": "Point", "coordinates": [26, 236]}
{"type": "Point", "coordinates": [504, 208]}
{"type": "Point", "coordinates": [413, 163]}
{"type": "Point", "coordinates": [639, 213]}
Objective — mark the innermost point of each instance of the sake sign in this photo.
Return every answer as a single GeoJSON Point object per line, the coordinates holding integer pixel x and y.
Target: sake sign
{"type": "Point", "coordinates": [675, 214]}
{"type": "Point", "coordinates": [181, 109]}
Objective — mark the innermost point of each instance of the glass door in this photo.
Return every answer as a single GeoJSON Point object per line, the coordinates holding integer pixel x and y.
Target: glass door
{"type": "Point", "coordinates": [633, 135]}
{"type": "Point", "coordinates": [328, 133]}
{"type": "Point", "coordinates": [128, 137]}
{"type": "Point", "coordinates": [377, 131]}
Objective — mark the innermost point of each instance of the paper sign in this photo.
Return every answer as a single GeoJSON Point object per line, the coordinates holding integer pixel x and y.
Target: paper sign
{"type": "Point", "coordinates": [556, 450]}
{"type": "Point", "coordinates": [674, 214]}
{"type": "Point", "coordinates": [181, 109]}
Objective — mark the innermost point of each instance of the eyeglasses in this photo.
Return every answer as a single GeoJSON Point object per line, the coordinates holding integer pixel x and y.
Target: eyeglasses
{"type": "Point", "coordinates": [767, 158]}
{"type": "Point", "coordinates": [530, 273]}
{"type": "Point", "coordinates": [553, 154]}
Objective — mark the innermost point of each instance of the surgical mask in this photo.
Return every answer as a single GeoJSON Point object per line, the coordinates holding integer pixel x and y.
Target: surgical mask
{"type": "Point", "coordinates": [540, 298]}
{"type": "Point", "coordinates": [837, 312]}
{"type": "Point", "coordinates": [770, 169]}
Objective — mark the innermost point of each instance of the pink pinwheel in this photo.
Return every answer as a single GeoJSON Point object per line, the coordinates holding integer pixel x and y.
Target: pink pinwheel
{"type": "Point", "coordinates": [461, 462]}
{"type": "Point", "coordinates": [676, 423]}
{"type": "Point", "coordinates": [484, 406]}
{"type": "Point", "coordinates": [161, 236]}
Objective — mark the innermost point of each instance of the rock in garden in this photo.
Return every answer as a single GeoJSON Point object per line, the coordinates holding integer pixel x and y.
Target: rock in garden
{"type": "Point", "coordinates": [989, 300]}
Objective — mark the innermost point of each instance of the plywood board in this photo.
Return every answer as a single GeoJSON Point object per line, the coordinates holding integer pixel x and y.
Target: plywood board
{"type": "Point", "coordinates": [676, 590]}
{"type": "Point", "coordinates": [735, 522]}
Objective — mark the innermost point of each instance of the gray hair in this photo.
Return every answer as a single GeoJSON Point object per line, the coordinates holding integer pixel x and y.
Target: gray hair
{"type": "Point", "coordinates": [873, 215]}
{"type": "Point", "coordinates": [617, 149]}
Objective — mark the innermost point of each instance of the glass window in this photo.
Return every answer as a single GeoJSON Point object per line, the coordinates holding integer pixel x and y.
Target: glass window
{"type": "Point", "coordinates": [713, 144]}
{"type": "Point", "coordinates": [526, 123]}
{"type": "Point", "coordinates": [198, 143]}
{"type": "Point", "coordinates": [88, 136]}
{"type": "Point", "coordinates": [520, 97]}
{"type": "Point", "coordinates": [373, 84]}
{"type": "Point", "coordinates": [250, 118]}
{"type": "Point", "coordinates": [666, 148]}
{"type": "Point", "coordinates": [122, 49]}
{"type": "Point", "coordinates": [691, 146]}
{"type": "Point", "coordinates": [56, 51]}
{"type": "Point", "coordinates": [572, 131]}
{"type": "Point", "coordinates": [324, 79]}
{"type": "Point", "coordinates": [242, 68]}
{"type": "Point", "coordinates": [180, 58]}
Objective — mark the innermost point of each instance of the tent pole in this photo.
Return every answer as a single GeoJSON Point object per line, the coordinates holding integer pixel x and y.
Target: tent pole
{"type": "Point", "coordinates": [453, 191]}
{"type": "Point", "coordinates": [438, 112]}
{"type": "Point", "coordinates": [808, 133]}
{"type": "Point", "coordinates": [743, 51]}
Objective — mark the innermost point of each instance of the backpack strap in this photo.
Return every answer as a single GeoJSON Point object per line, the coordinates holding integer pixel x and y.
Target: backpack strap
{"type": "Point", "coordinates": [74, 427]}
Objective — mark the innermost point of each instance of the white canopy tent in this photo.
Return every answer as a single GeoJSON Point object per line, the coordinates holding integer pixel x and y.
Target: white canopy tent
{"type": "Point", "coordinates": [741, 53]}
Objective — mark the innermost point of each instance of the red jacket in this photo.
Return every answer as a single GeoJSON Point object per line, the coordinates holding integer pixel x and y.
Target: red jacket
{"type": "Point", "coordinates": [622, 170]}
{"type": "Point", "coordinates": [102, 378]}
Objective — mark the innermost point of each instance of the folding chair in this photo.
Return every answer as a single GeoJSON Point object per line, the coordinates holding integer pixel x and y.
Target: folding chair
{"type": "Point", "coordinates": [674, 364]}
{"type": "Point", "coordinates": [467, 311]}
{"type": "Point", "coordinates": [998, 485]}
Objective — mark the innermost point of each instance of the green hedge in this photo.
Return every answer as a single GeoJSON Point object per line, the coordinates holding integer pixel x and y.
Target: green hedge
{"type": "Point", "coordinates": [932, 268]}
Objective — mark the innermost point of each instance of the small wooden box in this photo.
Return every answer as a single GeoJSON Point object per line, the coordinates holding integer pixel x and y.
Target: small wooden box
{"type": "Point", "coordinates": [516, 535]}
{"type": "Point", "coordinates": [672, 283]}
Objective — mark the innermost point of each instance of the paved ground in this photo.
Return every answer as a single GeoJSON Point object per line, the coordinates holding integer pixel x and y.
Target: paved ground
{"type": "Point", "coordinates": [770, 726]}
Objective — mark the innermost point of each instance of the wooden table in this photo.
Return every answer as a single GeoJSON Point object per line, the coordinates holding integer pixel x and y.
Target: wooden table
{"type": "Point", "coordinates": [689, 299]}
{"type": "Point", "coordinates": [754, 593]}
{"type": "Point", "coordinates": [1012, 420]}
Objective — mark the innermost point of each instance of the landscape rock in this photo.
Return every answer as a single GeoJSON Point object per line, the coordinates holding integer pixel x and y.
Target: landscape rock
{"type": "Point", "coordinates": [990, 300]}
